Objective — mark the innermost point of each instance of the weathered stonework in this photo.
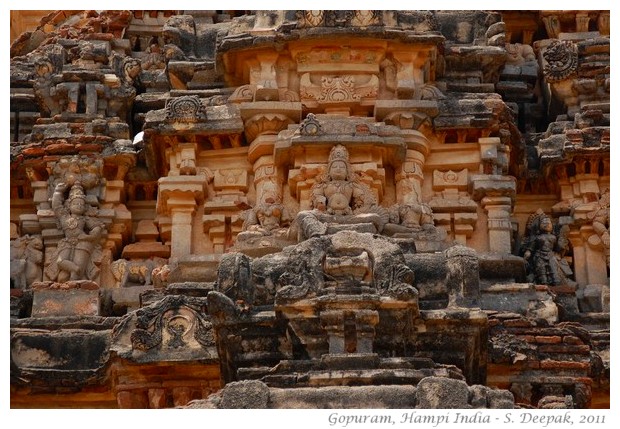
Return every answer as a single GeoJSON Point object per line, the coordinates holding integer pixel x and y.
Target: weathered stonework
{"type": "Point", "coordinates": [311, 209]}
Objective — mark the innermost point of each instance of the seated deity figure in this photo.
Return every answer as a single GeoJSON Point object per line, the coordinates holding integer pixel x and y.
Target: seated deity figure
{"type": "Point", "coordinates": [409, 218]}
{"type": "Point", "coordinates": [265, 228]}
{"type": "Point", "coordinates": [340, 202]}
{"type": "Point", "coordinates": [268, 218]}
{"type": "Point", "coordinates": [76, 252]}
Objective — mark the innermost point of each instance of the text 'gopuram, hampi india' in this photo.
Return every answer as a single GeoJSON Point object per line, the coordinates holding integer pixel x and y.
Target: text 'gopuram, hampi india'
{"type": "Point", "coordinates": [310, 209]}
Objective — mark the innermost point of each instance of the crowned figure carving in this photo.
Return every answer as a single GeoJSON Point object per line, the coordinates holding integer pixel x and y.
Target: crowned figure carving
{"type": "Point", "coordinates": [265, 227]}
{"type": "Point", "coordinates": [340, 202]}
{"type": "Point", "coordinates": [80, 249]}
{"type": "Point", "coordinates": [543, 248]}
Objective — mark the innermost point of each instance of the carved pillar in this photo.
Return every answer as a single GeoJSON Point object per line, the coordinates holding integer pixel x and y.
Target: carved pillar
{"type": "Point", "coordinates": [409, 179]}
{"type": "Point", "coordinates": [181, 212]}
{"type": "Point", "coordinates": [178, 198]}
{"type": "Point", "coordinates": [594, 257]}
{"type": "Point", "coordinates": [333, 323]}
{"type": "Point", "coordinates": [553, 26]}
{"type": "Point", "coordinates": [603, 23]}
{"type": "Point", "coordinates": [500, 227]}
{"type": "Point", "coordinates": [463, 279]}
{"type": "Point", "coordinates": [582, 20]}
{"type": "Point", "coordinates": [496, 195]}
{"type": "Point", "coordinates": [365, 322]}
{"type": "Point", "coordinates": [579, 256]}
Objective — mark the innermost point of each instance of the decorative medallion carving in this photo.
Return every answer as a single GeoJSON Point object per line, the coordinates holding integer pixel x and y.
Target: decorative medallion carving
{"type": "Point", "coordinates": [562, 60]}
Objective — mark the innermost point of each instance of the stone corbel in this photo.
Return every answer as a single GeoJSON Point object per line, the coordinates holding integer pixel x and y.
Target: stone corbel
{"type": "Point", "coordinates": [552, 25]}
{"type": "Point", "coordinates": [494, 155]}
{"type": "Point", "coordinates": [603, 23]}
{"type": "Point", "coordinates": [414, 115]}
{"type": "Point", "coordinates": [267, 118]}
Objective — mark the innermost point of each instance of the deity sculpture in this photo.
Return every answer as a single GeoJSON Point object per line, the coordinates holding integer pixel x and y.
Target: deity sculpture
{"type": "Point", "coordinates": [268, 217]}
{"type": "Point", "coordinates": [409, 219]}
{"type": "Point", "coordinates": [265, 226]}
{"type": "Point", "coordinates": [542, 250]}
{"type": "Point", "coordinates": [75, 256]}
{"type": "Point", "coordinates": [339, 198]}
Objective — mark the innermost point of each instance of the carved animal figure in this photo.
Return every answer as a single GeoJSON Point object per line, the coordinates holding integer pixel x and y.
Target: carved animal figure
{"type": "Point", "coordinates": [132, 273]}
{"type": "Point", "coordinates": [26, 261]}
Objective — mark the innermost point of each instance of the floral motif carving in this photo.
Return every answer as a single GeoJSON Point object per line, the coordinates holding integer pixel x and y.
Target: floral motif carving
{"type": "Point", "coordinates": [179, 316]}
{"type": "Point", "coordinates": [338, 89]}
{"type": "Point", "coordinates": [309, 18]}
{"type": "Point", "coordinates": [185, 109]}
{"type": "Point", "coordinates": [335, 18]}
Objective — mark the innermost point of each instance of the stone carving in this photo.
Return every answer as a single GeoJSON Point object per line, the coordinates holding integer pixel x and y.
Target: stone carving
{"type": "Point", "coordinates": [600, 222]}
{"type": "Point", "coordinates": [79, 252]}
{"type": "Point", "coordinates": [561, 60]}
{"type": "Point", "coordinates": [170, 322]}
{"type": "Point", "coordinates": [154, 58]}
{"type": "Point", "coordinates": [310, 126]}
{"type": "Point", "coordinates": [186, 109]}
{"type": "Point", "coordinates": [129, 70]}
{"type": "Point", "coordinates": [519, 53]}
{"type": "Point", "coordinates": [543, 249]}
{"type": "Point", "coordinates": [26, 261]}
{"type": "Point", "coordinates": [309, 18]}
{"type": "Point", "coordinates": [265, 226]}
{"type": "Point", "coordinates": [338, 197]}
{"type": "Point", "coordinates": [363, 18]}
{"type": "Point", "coordinates": [267, 217]}
{"type": "Point", "coordinates": [139, 273]}
{"type": "Point", "coordinates": [337, 18]}
{"type": "Point", "coordinates": [78, 169]}
{"type": "Point", "coordinates": [338, 89]}
{"type": "Point", "coordinates": [413, 219]}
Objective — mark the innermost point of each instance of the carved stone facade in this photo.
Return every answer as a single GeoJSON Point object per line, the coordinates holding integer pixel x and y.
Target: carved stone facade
{"type": "Point", "coordinates": [281, 205]}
